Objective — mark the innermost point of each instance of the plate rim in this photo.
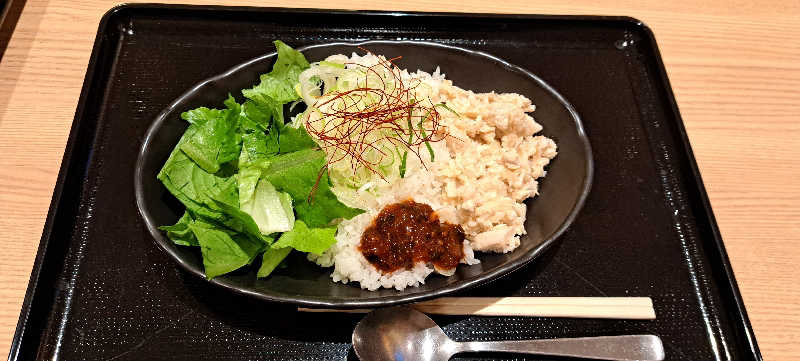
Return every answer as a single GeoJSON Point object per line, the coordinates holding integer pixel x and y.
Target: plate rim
{"type": "Point", "coordinates": [382, 301]}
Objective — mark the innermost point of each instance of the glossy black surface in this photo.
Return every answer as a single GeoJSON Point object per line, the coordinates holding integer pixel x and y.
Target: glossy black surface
{"type": "Point", "coordinates": [101, 289]}
{"type": "Point", "coordinates": [563, 191]}
{"type": "Point", "coordinates": [10, 11]}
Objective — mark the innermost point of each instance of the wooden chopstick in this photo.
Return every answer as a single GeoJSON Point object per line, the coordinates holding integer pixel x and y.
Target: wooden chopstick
{"type": "Point", "coordinates": [631, 308]}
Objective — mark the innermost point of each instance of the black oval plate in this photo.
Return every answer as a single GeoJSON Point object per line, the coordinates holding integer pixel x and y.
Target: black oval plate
{"type": "Point", "coordinates": [562, 192]}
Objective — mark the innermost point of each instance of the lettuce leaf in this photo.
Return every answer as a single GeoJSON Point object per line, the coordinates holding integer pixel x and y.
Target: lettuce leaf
{"type": "Point", "coordinates": [262, 107]}
{"type": "Point", "coordinates": [248, 179]}
{"type": "Point", "coordinates": [176, 175]}
{"type": "Point", "coordinates": [220, 168]}
{"type": "Point", "coordinates": [180, 233]}
{"type": "Point", "coordinates": [223, 252]}
{"type": "Point", "coordinates": [207, 186]}
{"type": "Point", "coordinates": [279, 83]}
{"type": "Point", "coordinates": [201, 115]}
{"type": "Point", "coordinates": [297, 173]}
{"type": "Point", "coordinates": [213, 197]}
{"type": "Point", "coordinates": [294, 139]}
{"type": "Point", "coordinates": [256, 150]}
{"type": "Point", "coordinates": [215, 140]}
{"type": "Point", "coordinates": [271, 259]}
{"type": "Point", "coordinates": [227, 199]}
{"type": "Point", "coordinates": [260, 113]}
{"type": "Point", "coordinates": [271, 210]}
{"type": "Point", "coordinates": [304, 239]}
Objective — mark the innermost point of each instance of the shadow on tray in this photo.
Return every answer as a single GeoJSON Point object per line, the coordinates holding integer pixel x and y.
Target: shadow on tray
{"type": "Point", "coordinates": [285, 322]}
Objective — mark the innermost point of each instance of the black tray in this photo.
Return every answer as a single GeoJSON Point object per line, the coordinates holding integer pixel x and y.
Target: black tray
{"type": "Point", "coordinates": [102, 290]}
{"type": "Point", "coordinates": [10, 11]}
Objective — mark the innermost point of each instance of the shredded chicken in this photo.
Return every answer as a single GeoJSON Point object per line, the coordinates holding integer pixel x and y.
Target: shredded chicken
{"type": "Point", "coordinates": [495, 161]}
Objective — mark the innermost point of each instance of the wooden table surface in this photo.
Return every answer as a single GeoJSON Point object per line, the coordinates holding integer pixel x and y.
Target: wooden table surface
{"type": "Point", "coordinates": [734, 67]}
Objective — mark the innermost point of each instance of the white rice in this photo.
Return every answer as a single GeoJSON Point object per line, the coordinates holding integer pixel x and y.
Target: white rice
{"type": "Point", "coordinates": [349, 263]}
{"type": "Point", "coordinates": [481, 186]}
{"type": "Point", "coordinates": [351, 266]}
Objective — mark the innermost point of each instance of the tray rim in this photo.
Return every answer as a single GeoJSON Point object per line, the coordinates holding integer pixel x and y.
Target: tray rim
{"type": "Point", "coordinates": [10, 13]}
{"type": "Point", "coordinates": [733, 286]}
{"type": "Point", "coordinates": [741, 319]}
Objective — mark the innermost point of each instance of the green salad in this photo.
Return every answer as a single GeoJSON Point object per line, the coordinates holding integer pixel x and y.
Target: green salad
{"type": "Point", "coordinates": [253, 185]}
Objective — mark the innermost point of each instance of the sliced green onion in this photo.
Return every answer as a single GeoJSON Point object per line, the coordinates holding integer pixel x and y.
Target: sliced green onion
{"type": "Point", "coordinates": [427, 144]}
{"type": "Point", "coordinates": [410, 138]}
{"type": "Point", "coordinates": [422, 131]}
{"type": "Point", "coordinates": [443, 105]}
{"type": "Point", "coordinates": [294, 103]}
{"type": "Point", "coordinates": [410, 127]}
{"type": "Point", "coordinates": [331, 64]}
{"type": "Point", "coordinates": [403, 164]}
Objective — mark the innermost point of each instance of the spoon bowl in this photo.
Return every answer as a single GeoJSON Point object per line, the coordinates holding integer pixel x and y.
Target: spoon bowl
{"type": "Point", "coordinates": [402, 333]}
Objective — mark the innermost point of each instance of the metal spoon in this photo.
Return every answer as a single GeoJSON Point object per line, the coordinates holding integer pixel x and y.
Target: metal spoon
{"type": "Point", "coordinates": [405, 334]}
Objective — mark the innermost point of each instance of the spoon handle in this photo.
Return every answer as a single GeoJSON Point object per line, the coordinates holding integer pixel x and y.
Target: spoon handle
{"type": "Point", "coordinates": [622, 348]}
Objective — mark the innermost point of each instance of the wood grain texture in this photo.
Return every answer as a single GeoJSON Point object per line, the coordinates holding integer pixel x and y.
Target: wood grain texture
{"type": "Point", "coordinates": [734, 67]}
{"type": "Point", "coordinates": [633, 308]}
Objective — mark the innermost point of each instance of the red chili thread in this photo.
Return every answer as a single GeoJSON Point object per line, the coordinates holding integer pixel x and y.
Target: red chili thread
{"type": "Point", "coordinates": [385, 117]}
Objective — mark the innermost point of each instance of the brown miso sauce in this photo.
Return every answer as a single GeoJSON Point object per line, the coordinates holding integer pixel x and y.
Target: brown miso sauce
{"type": "Point", "coordinates": [409, 232]}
